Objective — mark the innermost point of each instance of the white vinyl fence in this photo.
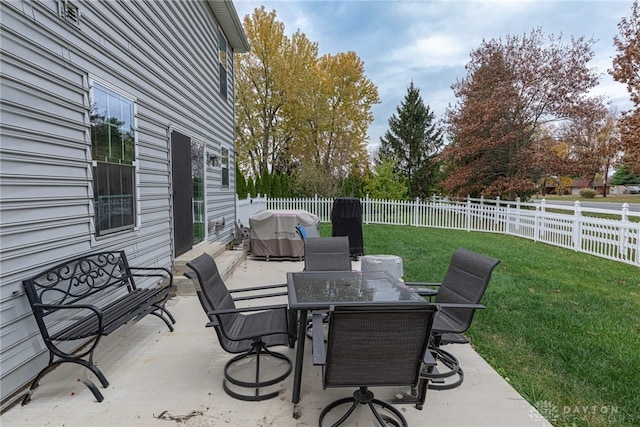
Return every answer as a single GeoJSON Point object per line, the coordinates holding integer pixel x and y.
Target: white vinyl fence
{"type": "Point", "coordinates": [610, 234]}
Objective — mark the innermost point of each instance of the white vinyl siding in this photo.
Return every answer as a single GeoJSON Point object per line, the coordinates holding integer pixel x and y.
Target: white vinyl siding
{"type": "Point", "coordinates": [163, 56]}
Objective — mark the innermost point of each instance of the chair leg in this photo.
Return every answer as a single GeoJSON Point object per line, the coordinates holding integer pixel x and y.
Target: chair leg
{"type": "Point", "coordinates": [326, 410]}
{"type": "Point", "coordinates": [363, 396]}
{"type": "Point", "coordinates": [258, 349]}
{"type": "Point", "coordinates": [451, 362]}
{"type": "Point", "coordinates": [384, 420]}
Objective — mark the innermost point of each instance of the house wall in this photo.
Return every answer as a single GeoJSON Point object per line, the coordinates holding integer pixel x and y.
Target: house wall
{"type": "Point", "coordinates": [165, 55]}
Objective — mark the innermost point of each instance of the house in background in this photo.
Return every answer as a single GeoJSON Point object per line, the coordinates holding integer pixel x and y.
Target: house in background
{"type": "Point", "coordinates": [598, 185]}
{"type": "Point", "coordinates": [117, 133]}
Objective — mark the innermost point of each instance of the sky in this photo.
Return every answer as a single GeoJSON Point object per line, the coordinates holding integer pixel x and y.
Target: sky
{"type": "Point", "coordinates": [429, 42]}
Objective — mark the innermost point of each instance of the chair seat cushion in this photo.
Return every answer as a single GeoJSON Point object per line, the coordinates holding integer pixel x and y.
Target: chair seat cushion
{"type": "Point", "coordinates": [271, 326]}
{"type": "Point", "coordinates": [442, 322]}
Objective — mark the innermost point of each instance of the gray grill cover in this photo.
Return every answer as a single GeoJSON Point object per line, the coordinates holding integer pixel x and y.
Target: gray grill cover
{"type": "Point", "coordinates": [273, 232]}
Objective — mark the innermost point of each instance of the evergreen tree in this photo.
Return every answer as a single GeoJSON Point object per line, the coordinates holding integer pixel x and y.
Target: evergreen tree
{"type": "Point", "coordinates": [265, 183]}
{"type": "Point", "coordinates": [251, 187]}
{"type": "Point", "coordinates": [414, 140]}
{"type": "Point", "coordinates": [276, 186]}
{"type": "Point", "coordinates": [624, 176]}
{"type": "Point", "coordinates": [241, 183]}
{"type": "Point", "coordinates": [286, 185]}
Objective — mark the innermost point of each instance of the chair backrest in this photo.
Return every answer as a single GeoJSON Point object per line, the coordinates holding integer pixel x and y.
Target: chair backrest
{"type": "Point", "coordinates": [464, 283]}
{"type": "Point", "coordinates": [307, 231]}
{"type": "Point", "coordinates": [327, 254]}
{"type": "Point", "coordinates": [377, 345]}
{"type": "Point", "coordinates": [213, 293]}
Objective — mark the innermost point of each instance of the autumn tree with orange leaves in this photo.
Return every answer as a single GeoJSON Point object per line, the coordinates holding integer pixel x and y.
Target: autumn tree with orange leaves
{"type": "Point", "coordinates": [512, 90]}
{"type": "Point", "coordinates": [626, 69]}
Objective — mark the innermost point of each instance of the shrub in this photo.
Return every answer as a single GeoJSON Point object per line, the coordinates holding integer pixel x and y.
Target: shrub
{"type": "Point", "coordinates": [588, 193]}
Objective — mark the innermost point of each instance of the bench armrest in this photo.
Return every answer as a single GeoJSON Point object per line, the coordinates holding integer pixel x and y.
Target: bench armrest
{"type": "Point", "coordinates": [57, 307]}
{"type": "Point", "coordinates": [152, 272]}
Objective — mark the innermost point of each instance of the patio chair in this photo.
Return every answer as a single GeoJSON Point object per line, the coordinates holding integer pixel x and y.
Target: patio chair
{"type": "Point", "coordinates": [458, 297]}
{"type": "Point", "coordinates": [249, 331]}
{"type": "Point", "coordinates": [327, 254]}
{"type": "Point", "coordinates": [372, 346]}
{"type": "Point", "coordinates": [307, 231]}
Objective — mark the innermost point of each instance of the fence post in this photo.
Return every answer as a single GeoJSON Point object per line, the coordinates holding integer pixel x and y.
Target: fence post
{"type": "Point", "coordinates": [468, 219]}
{"type": "Point", "coordinates": [518, 213]}
{"type": "Point", "coordinates": [536, 224]}
{"type": "Point", "coordinates": [577, 227]}
{"type": "Point", "coordinates": [416, 207]}
{"type": "Point", "coordinates": [624, 238]}
{"type": "Point", "coordinates": [367, 207]}
{"type": "Point", "coordinates": [315, 205]}
{"type": "Point", "coordinates": [625, 212]}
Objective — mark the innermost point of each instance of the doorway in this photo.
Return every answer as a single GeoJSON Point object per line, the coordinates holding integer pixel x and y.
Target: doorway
{"type": "Point", "coordinates": [182, 192]}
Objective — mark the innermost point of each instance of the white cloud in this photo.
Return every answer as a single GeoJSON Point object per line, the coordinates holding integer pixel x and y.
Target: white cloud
{"type": "Point", "coordinates": [429, 42]}
{"type": "Point", "coordinates": [438, 50]}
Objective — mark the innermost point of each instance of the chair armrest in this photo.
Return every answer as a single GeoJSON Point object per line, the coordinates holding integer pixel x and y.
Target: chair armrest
{"type": "Point", "coordinates": [423, 284]}
{"type": "Point", "coordinates": [274, 294]}
{"type": "Point", "coordinates": [193, 276]}
{"type": "Point", "coordinates": [258, 288]}
{"type": "Point", "coordinates": [427, 291]}
{"type": "Point", "coordinates": [454, 305]}
{"type": "Point", "coordinates": [246, 309]}
{"type": "Point", "coordinates": [318, 339]}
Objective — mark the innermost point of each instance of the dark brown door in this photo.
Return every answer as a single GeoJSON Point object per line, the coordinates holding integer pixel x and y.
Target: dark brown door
{"type": "Point", "coordinates": [182, 192]}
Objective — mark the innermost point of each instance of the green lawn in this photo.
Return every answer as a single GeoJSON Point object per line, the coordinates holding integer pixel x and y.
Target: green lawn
{"type": "Point", "coordinates": [562, 327]}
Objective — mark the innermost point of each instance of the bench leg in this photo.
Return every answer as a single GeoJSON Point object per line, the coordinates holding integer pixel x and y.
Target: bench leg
{"type": "Point", "coordinates": [161, 310]}
{"type": "Point", "coordinates": [94, 390]}
{"type": "Point", "coordinates": [89, 365]}
{"type": "Point", "coordinates": [164, 319]}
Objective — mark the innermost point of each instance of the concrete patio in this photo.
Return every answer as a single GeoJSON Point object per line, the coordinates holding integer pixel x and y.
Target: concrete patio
{"type": "Point", "coordinates": [159, 378]}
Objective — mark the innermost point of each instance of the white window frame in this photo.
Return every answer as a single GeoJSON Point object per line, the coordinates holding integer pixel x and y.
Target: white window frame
{"type": "Point", "coordinates": [136, 171]}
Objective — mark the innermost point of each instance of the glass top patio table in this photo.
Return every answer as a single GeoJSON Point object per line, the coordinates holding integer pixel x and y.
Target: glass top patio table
{"type": "Point", "coordinates": [314, 290]}
{"type": "Point", "coordinates": [319, 290]}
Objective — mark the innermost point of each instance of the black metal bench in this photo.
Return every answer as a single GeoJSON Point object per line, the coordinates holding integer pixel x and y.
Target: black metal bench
{"type": "Point", "coordinates": [79, 301]}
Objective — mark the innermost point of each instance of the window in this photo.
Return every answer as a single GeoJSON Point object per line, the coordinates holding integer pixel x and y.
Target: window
{"type": "Point", "coordinates": [225, 167]}
{"type": "Point", "coordinates": [222, 54]}
{"type": "Point", "coordinates": [113, 153]}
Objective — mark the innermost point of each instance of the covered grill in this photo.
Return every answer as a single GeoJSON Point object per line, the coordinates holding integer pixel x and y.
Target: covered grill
{"type": "Point", "coordinates": [273, 233]}
{"type": "Point", "coordinates": [346, 220]}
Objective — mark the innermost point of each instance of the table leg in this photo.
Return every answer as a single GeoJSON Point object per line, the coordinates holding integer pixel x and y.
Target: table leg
{"type": "Point", "coordinates": [297, 378]}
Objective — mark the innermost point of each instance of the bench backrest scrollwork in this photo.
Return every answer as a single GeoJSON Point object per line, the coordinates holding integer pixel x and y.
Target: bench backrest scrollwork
{"type": "Point", "coordinates": [81, 280]}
